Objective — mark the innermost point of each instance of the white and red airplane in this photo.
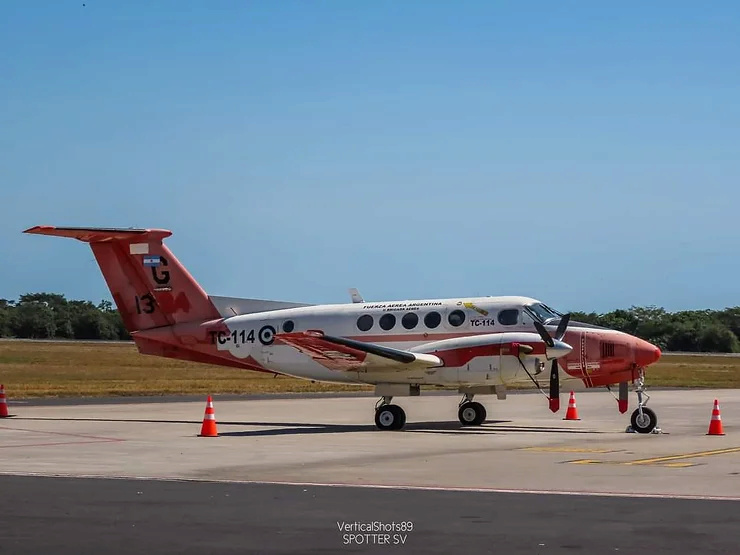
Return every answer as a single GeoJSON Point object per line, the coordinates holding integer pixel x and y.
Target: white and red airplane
{"type": "Point", "coordinates": [479, 345]}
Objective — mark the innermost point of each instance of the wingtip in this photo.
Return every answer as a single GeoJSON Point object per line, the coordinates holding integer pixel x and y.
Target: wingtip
{"type": "Point", "coordinates": [37, 228]}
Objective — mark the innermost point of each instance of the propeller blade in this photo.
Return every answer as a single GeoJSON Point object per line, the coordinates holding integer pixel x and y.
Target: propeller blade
{"type": "Point", "coordinates": [543, 334]}
{"type": "Point", "coordinates": [554, 387]}
{"type": "Point", "coordinates": [562, 326]}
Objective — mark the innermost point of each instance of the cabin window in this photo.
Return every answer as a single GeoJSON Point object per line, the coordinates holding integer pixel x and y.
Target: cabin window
{"type": "Point", "coordinates": [456, 318]}
{"type": "Point", "coordinates": [365, 322]}
{"type": "Point", "coordinates": [288, 326]}
{"type": "Point", "coordinates": [387, 321]}
{"type": "Point", "coordinates": [410, 320]}
{"type": "Point", "coordinates": [432, 320]}
{"type": "Point", "coordinates": [508, 317]}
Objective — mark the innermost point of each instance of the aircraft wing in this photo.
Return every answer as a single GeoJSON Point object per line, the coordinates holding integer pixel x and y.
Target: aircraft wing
{"type": "Point", "coordinates": [339, 353]}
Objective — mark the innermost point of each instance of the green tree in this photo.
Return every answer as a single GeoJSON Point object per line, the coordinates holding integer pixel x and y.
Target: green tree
{"type": "Point", "coordinates": [716, 338]}
{"type": "Point", "coordinates": [5, 323]}
{"type": "Point", "coordinates": [622, 320]}
{"type": "Point", "coordinates": [114, 320]}
{"type": "Point", "coordinates": [730, 317]}
{"type": "Point", "coordinates": [653, 325]}
{"type": "Point", "coordinates": [683, 337]}
{"type": "Point", "coordinates": [59, 307]}
{"type": "Point", "coordinates": [585, 317]}
{"type": "Point", "coordinates": [34, 320]}
{"type": "Point", "coordinates": [88, 322]}
{"type": "Point", "coordinates": [117, 323]}
{"type": "Point", "coordinates": [7, 318]}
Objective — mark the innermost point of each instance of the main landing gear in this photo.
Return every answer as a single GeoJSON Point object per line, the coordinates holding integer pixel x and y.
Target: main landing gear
{"type": "Point", "coordinates": [471, 413]}
{"type": "Point", "coordinates": [644, 420]}
{"type": "Point", "coordinates": [393, 417]}
{"type": "Point", "coordinates": [387, 416]}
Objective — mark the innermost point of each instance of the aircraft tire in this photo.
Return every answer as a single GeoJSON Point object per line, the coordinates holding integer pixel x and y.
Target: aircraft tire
{"type": "Point", "coordinates": [646, 424]}
{"type": "Point", "coordinates": [390, 417]}
{"type": "Point", "coordinates": [471, 414]}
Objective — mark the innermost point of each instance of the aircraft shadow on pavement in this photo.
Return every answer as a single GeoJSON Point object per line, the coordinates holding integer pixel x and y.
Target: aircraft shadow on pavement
{"type": "Point", "coordinates": [447, 427]}
{"type": "Point", "coordinates": [490, 427]}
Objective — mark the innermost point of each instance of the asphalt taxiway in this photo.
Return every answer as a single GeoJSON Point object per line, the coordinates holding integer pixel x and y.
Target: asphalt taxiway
{"type": "Point", "coordinates": [284, 470]}
{"type": "Point", "coordinates": [72, 515]}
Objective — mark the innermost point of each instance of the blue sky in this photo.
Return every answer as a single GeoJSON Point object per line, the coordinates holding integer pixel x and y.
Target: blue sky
{"type": "Point", "coordinates": [583, 153]}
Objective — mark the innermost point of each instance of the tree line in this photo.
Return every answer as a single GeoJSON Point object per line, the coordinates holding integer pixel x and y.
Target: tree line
{"type": "Point", "coordinates": [706, 331]}
{"type": "Point", "coordinates": [51, 316]}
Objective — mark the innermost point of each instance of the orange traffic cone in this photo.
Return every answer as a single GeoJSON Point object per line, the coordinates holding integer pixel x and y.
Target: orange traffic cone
{"type": "Point", "coordinates": [715, 424]}
{"type": "Point", "coordinates": [572, 412]}
{"type": "Point", "coordinates": [208, 429]}
{"type": "Point", "coordinates": [3, 403]}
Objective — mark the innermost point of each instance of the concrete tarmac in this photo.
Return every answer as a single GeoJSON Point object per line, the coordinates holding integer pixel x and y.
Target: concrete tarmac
{"type": "Point", "coordinates": [333, 441]}
{"type": "Point", "coordinates": [80, 516]}
{"type": "Point", "coordinates": [589, 483]}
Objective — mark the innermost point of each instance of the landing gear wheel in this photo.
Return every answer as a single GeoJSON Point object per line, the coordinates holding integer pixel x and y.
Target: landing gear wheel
{"type": "Point", "coordinates": [645, 423]}
{"type": "Point", "coordinates": [390, 417]}
{"type": "Point", "coordinates": [471, 414]}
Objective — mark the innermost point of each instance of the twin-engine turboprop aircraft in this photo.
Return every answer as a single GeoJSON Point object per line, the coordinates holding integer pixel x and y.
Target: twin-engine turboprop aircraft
{"type": "Point", "coordinates": [479, 345]}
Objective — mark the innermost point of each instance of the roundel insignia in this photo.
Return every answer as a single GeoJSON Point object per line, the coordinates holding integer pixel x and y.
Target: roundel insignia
{"type": "Point", "coordinates": [266, 335]}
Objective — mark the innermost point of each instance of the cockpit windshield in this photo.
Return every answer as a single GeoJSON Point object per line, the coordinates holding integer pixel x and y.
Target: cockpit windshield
{"type": "Point", "coordinates": [542, 312]}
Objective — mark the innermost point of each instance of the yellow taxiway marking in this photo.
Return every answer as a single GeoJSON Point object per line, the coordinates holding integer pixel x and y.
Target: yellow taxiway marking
{"type": "Point", "coordinates": [567, 450]}
{"type": "Point", "coordinates": [669, 464]}
{"type": "Point", "coordinates": [685, 456]}
{"type": "Point", "coordinates": [670, 461]}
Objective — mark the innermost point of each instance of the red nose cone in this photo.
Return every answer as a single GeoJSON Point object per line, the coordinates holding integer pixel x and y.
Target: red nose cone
{"type": "Point", "coordinates": [646, 353]}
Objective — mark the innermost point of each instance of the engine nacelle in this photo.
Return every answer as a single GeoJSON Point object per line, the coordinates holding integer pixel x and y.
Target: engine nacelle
{"type": "Point", "coordinates": [496, 357]}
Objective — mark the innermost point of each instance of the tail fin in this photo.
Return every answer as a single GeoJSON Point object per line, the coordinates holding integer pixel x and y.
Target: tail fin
{"type": "Point", "coordinates": [150, 287]}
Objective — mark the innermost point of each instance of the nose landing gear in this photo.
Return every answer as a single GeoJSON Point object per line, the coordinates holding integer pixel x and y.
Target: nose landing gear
{"type": "Point", "coordinates": [643, 420]}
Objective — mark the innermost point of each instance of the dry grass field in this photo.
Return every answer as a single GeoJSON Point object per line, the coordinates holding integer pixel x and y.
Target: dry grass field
{"type": "Point", "coordinates": [49, 369]}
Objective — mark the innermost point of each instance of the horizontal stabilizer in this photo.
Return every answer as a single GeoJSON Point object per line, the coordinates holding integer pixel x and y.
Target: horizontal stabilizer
{"type": "Point", "coordinates": [100, 234]}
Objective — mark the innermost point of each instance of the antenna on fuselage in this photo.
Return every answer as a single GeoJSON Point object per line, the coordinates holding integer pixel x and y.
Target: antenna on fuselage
{"type": "Point", "coordinates": [355, 295]}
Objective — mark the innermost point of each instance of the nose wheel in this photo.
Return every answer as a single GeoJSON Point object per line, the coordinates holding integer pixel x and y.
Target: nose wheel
{"type": "Point", "coordinates": [643, 420]}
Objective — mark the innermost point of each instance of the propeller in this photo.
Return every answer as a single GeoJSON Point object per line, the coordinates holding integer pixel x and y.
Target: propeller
{"type": "Point", "coordinates": [554, 375]}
